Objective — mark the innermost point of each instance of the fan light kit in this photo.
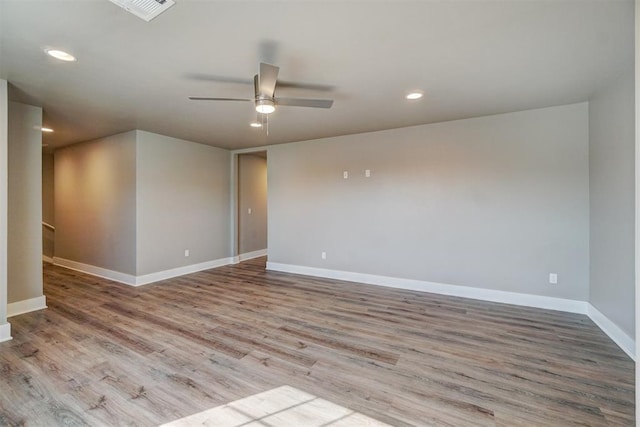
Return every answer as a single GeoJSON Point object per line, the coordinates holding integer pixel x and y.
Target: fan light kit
{"type": "Point", "coordinates": [265, 101]}
{"type": "Point", "coordinates": [265, 106]}
{"type": "Point", "coordinates": [255, 125]}
{"type": "Point", "coordinates": [61, 55]}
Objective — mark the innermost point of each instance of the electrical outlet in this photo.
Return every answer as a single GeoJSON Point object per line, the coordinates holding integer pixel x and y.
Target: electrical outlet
{"type": "Point", "coordinates": [553, 278]}
{"type": "Point", "coordinates": [367, 173]}
{"type": "Point", "coordinates": [249, 211]}
{"type": "Point", "coordinates": [324, 255]}
{"type": "Point", "coordinates": [186, 252]}
{"type": "Point", "coordinates": [345, 174]}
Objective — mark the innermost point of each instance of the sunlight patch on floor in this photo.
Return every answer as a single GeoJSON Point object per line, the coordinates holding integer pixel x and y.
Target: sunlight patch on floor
{"type": "Point", "coordinates": [282, 406]}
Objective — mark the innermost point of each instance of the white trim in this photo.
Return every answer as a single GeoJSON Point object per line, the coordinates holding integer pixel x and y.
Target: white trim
{"type": "Point", "coordinates": [47, 259]}
{"type": "Point", "coordinates": [5, 332]}
{"type": "Point", "coordinates": [248, 255]}
{"type": "Point", "coordinates": [252, 255]}
{"type": "Point", "coordinates": [26, 306]}
{"type": "Point", "coordinates": [180, 271]}
{"type": "Point", "coordinates": [233, 205]}
{"type": "Point", "coordinates": [624, 341]}
{"type": "Point", "coordinates": [116, 276]}
{"type": "Point", "coordinates": [538, 301]}
{"type": "Point", "coordinates": [5, 328]}
{"type": "Point", "coordinates": [145, 279]}
{"type": "Point", "coordinates": [250, 150]}
{"type": "Point", "coordinates": [233, 196]}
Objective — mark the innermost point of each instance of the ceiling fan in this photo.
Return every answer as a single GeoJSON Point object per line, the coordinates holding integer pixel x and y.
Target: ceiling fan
{"type": "Point", "coordinates": [265, 100]}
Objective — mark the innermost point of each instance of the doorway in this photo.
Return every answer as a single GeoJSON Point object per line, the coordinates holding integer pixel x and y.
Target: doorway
{"type": "Point", "coordinates": [251, 220]}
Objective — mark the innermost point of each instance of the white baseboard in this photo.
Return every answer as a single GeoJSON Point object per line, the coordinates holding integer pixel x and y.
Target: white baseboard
{"type": "Point", "coordinates": [249, 255]}
{"type": "Point", "coordinates": [47, 259]}
{"type": "Point", "coordinates": [181, 271]}
{"type": "Point", "coordinates": [549, 303]}
{"type": "Point", "coordinates": [5, 332]}
{"type": "Point", "coordinates": [626, 343]}
{"type": "Point", "coordinates": [116, 276]}
{"type": "Point", "coordinates": [131, 280]}
{"type": "Point", "coordinates": [26, 306]}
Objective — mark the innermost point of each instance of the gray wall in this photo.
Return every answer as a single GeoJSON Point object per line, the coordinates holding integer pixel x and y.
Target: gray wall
{"type": "Point", "coordinates": [25, 203]}
{"type": "Point", "coordinates": [252, 194]}
{"type": "Point", "coordinates": [612, 202]}
{"type": "Point", "coordinates": [4, 178]}
{"type": "Point", "coordinates": [182, 203]}
{"type": "Point", "coordinates": [48, 215]}
{"type": "Point", "coordinates": [133, 202]}
{"type": "Point", "coordinates": [95, 203]}
{"type": "Point", "coordinates": [495, 202]}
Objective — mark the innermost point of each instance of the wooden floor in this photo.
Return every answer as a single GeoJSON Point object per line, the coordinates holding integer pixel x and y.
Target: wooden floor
{"type": "Point", "coordinates": [109, 354]}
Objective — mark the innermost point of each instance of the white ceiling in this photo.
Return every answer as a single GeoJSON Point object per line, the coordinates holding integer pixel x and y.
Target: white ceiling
{"type": "Point", "coordinates": [471, 58]}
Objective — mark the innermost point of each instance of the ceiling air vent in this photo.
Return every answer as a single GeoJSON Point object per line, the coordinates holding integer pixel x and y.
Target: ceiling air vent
{"type": "Point", "coordinates": [145, 9]}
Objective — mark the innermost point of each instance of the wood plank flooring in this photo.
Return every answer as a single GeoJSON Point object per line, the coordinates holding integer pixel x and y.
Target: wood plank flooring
{"type": "Point", "coordinates": [108, 354]}
{"type": "Point", "coordinates": [282, 406]}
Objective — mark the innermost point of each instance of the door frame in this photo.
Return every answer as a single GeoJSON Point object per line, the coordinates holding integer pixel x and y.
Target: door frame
{"type": "Point", "coordinates": [233, 197]}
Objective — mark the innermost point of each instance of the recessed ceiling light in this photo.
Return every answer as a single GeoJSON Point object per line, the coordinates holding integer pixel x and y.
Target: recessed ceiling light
{"type": "Point", "coordinates": [46, 129]}
{"type": "Point", "coordinates": [61, 55]}
{"type": "Point", "coordinates": [255, 125]}
{"type": "Point", "coordinates": [416, 94]}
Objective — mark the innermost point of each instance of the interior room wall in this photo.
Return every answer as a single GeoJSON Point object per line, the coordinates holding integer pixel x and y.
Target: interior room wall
{"type": "Point", "coordinates": [612, 201]}
{"type": "Point", "coordinates": [48, 235]}
{"type": "Point", "coordinates": [496, 202]}
{"type": "Point", "coordinates": [252, 194]}
{"type": "Point", "coordinates": [182, 203]}
{"type": "Point", "coordinates": [25, 203]}
{"type": "Point", "coordinates": [4, 185]}
{"type": "Point", "coordinates": [95, 203]}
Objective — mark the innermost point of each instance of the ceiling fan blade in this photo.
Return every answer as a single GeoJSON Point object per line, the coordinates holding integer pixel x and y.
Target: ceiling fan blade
{"type": "Point", "coordinates": [267, 79]}
{"type": "Point", "coordinates": [235, 80]}
{"type": "Point", "coordinates": [302, 85]}
{"type": "Point", "coordinates": [304, 102]}
{"type": "Point", "coordinates": [207, 98]}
